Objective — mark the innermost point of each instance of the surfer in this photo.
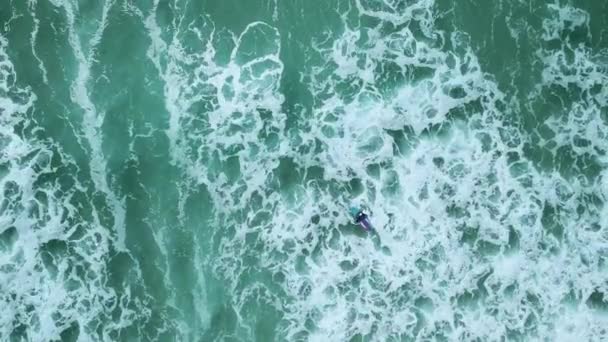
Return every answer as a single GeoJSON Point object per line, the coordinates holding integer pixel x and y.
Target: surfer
{"type": "Point", "coordinates": [361, 218]}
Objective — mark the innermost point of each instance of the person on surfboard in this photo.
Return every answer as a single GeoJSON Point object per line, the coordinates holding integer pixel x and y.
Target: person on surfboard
{"type": "Point", "coordinates": [361, 218]}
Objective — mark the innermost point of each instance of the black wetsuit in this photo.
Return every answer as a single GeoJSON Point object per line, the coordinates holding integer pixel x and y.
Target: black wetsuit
{"type": "Point", "coordinates": [360, 217]}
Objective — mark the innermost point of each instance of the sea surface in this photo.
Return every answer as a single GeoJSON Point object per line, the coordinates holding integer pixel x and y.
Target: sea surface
{"type": "Point", "coordinates": [181, 170]}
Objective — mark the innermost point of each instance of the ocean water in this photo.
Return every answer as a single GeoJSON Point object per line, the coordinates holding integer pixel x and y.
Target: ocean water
{"type": "Point", "coordinates": [175, 170]}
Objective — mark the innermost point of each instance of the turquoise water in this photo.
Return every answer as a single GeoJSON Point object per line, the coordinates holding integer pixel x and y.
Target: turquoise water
{"type": "Point", "coordinates": [182, 170]}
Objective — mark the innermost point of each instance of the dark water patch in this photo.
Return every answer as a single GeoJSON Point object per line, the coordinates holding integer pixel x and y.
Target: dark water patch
{"type": "Point", "coordinates": [8, 237]}
{"type": "Point", "coordinates": [513, 243]}
{"type": "Point", "coordinates": [237, 21]}
{"type": "Point", "coordinates": [51, 253]}
{"type": "Point", "coordinates": [232, 169]}
{"type": "Point", "coordinates": [487, 248]}
{"type": "Point", "coordinates": [439, 130]}
{"type": "Point", "coordinates": [551, 222]}
{"type": "Point", "coordinates": [71, 333]}
{"type": "Point", "coordinates": [101, 204]}
{"type": "Point", "coordinates": [469, 235]}
{"type": "Point", "coordinates": [266, 322]}
{"type": "Point", "coordinates": [314, 173]}
{"type": "Point", "coordinates": [223, 321]}
{"type": "Point", "coordinates": [21, 50]}
{"type": "Point", "coordinates": [19, 332]}
{"type": "Point", "coordinates": [389, 76]}
{"type": "Point", "coordinates": [598, 300]}
{"type": "Point", "coordinates": [404, 140]}
{"type": "Point", "coordinates": [143, 245]}
{"type": "Point", "coordinates": [421, 322]}
{"type": "Point", "coordinates": [355, 187]}
{"type": "Point", "coordinates": [416, 73]}
{"type": "Point", "coordinates": [120, 268]}
{"type": "Point", "coordinates": [288, 174]}
{"type": "Point", "coordinates": [12, 190]}
{"type": "Point", "coordinates": [465, 111]}
{"type": "Point", "coordinates": [457, 212]}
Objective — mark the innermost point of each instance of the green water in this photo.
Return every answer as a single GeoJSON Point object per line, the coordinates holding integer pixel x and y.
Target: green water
{"type": "Point", "coordinates": [182, 170]}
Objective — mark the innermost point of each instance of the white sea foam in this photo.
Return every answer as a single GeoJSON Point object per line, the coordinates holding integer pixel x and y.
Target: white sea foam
{"type": "Point", "coordinates": [575, 67]}
{"type": "Point", "coordinates": [473, 240]}
{"type": "Point", "coordinates": [32, 6]}
{"type": "Point", "coordinates": [41, 288]}
{"type": "Point", "coordinates": [54, 251]}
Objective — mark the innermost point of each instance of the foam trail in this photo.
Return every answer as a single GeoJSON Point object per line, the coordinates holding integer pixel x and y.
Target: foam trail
{"type": "Point", "coordinates": [92, 120]}
{"type": "Point", "coordinates": [32, 5]}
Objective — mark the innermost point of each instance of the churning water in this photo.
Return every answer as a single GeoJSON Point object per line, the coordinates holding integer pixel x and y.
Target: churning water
{"type": "Point", "coordinates": [175, 170]}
